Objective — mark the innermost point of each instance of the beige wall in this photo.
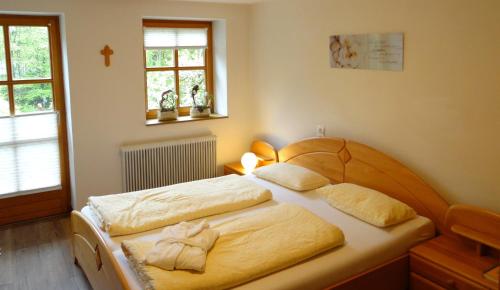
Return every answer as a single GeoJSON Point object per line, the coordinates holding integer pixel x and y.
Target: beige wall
{"type": "Point", "coordinates": [441, 116]}
{"type": "Point", "coordinates": [107, 104]}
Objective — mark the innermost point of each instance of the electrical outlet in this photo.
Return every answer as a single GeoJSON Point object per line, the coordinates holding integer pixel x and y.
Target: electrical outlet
{"type": "Point", "coordinates": [320, 130]}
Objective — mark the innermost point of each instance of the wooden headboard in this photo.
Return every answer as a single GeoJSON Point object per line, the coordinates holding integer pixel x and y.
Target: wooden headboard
{"type": "Point", "coordinates": [348, 161]}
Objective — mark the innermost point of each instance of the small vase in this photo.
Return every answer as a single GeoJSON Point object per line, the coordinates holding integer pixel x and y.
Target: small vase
{"type": "Point", "coordinates": [195, 113]}
{"type": "Point", "coordinates": [167, 115]}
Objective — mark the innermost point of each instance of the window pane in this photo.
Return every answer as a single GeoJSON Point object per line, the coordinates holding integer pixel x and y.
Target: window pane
{"type": "Point", "coordinates": [33, 98]}
{"type": "Point", "coordinates": [38, 165]}
{"type": "Point", "coordinates": [26, 162]}
{"type": "Point", "coordinates": [8, 180]}
{"type": "Point", "coordinates": [158, 82]}
{"type": "Point", "coordinates": [29, 166]}
{"type": "Point", "coordinates": [160, 58]}
{"type": "Point", "coordinates": [3, 64]}
{"type": "Point", "coordinates": [4, 101]}
{"type": "Point", "coordinates": [188, 79]}
{"type": "Point", "coordinates": [29, 128]}
{"type": "Point", "coordinates": [191, 57]}
{"type": "Point", "coordinates": [30, 52]}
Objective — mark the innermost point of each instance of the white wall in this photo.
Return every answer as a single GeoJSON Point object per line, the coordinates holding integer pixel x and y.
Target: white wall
{"type": "Point", "coordinates": [107, 104]}
{"type": "Point", "coordinates": [441, 116]}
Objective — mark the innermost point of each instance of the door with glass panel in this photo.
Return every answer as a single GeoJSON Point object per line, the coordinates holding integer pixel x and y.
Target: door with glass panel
{"type": "Point", "coordinates": [33, 159]}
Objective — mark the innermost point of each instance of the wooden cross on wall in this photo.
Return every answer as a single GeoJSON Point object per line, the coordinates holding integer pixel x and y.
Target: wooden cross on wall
{"type": "Point", "coordinates": [107, 52]}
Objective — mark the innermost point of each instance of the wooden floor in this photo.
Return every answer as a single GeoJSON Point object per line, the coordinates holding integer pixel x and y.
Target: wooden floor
{"type": "Point", "coordinates": [38, 256]}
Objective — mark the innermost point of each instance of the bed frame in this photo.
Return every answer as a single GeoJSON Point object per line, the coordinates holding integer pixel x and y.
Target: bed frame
{"type": "Point", "coordinates": [338, 159]}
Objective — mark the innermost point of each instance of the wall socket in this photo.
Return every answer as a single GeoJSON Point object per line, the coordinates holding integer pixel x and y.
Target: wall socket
{"type": "Point", "coordinates": [320, 130]}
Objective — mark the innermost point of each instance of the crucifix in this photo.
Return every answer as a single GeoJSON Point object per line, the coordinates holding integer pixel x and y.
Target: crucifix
{"type": "Point", "coordinates": [107, 52]}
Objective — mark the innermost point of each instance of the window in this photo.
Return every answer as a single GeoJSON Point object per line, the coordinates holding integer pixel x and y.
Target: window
{"type": "Point", "coordinates": [177, 56]}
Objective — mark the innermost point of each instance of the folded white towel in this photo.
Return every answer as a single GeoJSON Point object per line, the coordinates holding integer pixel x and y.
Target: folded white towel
{"type": "Point", "coordinates": [183, 246]}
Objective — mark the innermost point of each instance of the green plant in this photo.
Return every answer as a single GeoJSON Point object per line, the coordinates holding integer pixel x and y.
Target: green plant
{"type": "Point", "coordinates": [168, 102]}
{"type": "Point", "coordinates": [200, 102]}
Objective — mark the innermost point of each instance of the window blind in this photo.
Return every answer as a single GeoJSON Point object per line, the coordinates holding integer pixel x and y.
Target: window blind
{"type": "Point", "coordinates": [29, 154]}
{"type": "Point", "coordinates": [157, 38]}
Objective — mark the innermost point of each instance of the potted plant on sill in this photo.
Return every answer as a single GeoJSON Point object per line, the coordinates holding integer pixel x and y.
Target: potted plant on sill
{"type": "Point", "coordinates": [201, 105]}
{"type": "Point", "coordinates": [168, 106]}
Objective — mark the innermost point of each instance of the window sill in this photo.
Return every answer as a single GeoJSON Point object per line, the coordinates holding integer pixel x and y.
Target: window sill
{"type": "Point", "coordinates": [182, 119]}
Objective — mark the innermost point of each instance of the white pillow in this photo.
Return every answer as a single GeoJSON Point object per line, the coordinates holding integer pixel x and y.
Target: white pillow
{"type": "Point", "coordinates": [292, 176]}
{"type": "Point", "coordinates": [367, 204]}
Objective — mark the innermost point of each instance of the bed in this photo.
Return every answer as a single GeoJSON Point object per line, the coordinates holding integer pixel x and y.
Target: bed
{"type": "Point", "coordinates": [371, 256]}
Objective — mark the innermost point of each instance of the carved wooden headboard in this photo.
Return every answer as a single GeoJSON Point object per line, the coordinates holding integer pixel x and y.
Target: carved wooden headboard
{"type": "Point", "coordinates": [348, 161]}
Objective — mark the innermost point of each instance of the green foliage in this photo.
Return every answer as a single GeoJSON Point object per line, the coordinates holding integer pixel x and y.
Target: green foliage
{"type": "Point", "coordinates": [191, 57]}
{"type": "Point", "coordinates": [160, 58]}
{"type": "Point", "coordinates": [200, 102]}
{"type": "Point", "coordinates": [189, 79]}
{"type": "Point", "coordinates": [168, 101]}
{"type": "Point", "coordinates": [159, 82]}
{"type": "Point", "coordinates": [30, 52]}
{"type": "Point", "coordinates": [3, 64]}
{"type": "Point", "coordinates": [4, 101]}
{"type": "Point", "coordinates": [33, 97]}
{"type": "Point", "coordinates": [30, 58]}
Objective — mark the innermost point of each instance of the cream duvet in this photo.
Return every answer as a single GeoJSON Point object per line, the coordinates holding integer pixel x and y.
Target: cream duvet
{"type": "Point", "coordinates": [248, 247]}
{"type": "Point", "coordinates": [134, 212]}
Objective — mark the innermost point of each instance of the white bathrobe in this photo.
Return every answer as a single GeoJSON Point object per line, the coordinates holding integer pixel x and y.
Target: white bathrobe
{"type": "Point", "coordinates": [183, 246]}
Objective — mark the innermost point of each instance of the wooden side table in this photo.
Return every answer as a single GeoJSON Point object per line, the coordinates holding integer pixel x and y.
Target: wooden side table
{"type": "Point", "coordinates": [446, 263]}
{"type": "Point", "coordinates": [467, 256]}
{"type": "Point", "coordinates": [234, 168]}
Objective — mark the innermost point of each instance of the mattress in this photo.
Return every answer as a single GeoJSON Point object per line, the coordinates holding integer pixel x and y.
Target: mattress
{"type": "Point", "coordinates": [366, 246]}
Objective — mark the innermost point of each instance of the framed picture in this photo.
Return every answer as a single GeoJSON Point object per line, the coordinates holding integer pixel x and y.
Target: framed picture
{"type": "Point", "coordinates": [382, 51]}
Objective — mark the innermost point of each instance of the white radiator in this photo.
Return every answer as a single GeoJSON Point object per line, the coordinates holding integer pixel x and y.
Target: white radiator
{"type": "Point", "coordinates": [164, 163]}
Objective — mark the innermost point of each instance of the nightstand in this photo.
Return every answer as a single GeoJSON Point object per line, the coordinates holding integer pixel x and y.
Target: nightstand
{"type": "Point", "coordinates": [234, 168]}
{"type": "Point", "coordinates": [265, 153]}
{"type": "Point", "coordinates": [445, 263]}
{"type": "Point", "coordinates": [459, 259]}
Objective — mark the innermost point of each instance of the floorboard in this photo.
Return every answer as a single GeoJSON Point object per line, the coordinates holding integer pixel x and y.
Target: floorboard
{"type": "Point", "coordinates": [38, 256]}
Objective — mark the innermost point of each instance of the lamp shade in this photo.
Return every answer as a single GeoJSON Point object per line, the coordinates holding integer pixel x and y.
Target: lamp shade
{"type": "Point", "coordinates": [249, 161]}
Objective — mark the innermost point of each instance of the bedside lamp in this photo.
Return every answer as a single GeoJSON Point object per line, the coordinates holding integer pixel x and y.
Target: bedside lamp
{"type": "Point", "coordinates": [249, 161]}
{"type": "Point", "coordinates": [260, 154]}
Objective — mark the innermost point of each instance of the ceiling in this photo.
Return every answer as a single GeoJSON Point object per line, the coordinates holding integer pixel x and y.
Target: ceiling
{"type": "Point", "coordinates": [226, 1]}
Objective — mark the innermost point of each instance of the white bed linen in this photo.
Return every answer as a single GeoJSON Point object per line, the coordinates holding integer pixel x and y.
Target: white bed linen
{"type": "Point", "coordinates": [366, 246]}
